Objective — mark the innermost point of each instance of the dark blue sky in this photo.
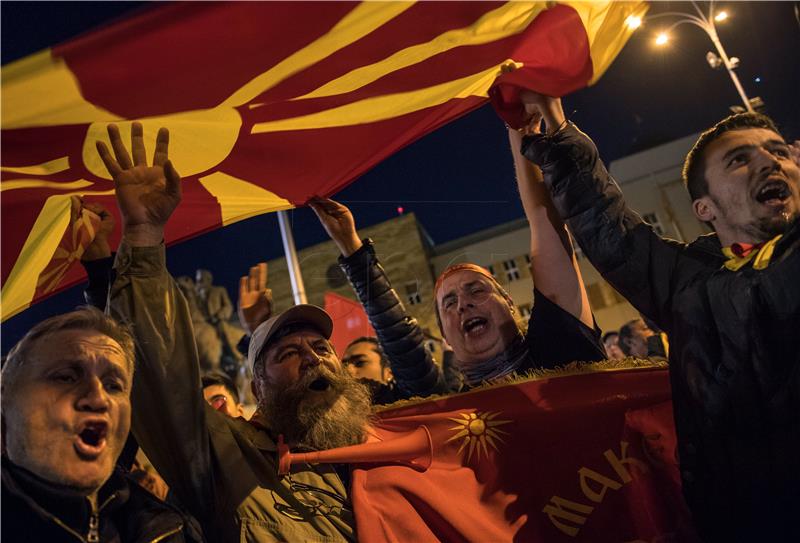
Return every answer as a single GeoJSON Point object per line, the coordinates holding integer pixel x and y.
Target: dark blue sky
{"type": "Point", "coordinates": [459, 179]}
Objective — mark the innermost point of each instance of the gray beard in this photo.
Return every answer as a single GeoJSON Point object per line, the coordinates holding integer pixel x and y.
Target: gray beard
{"type": "Point", "coordinates": [337, 420]}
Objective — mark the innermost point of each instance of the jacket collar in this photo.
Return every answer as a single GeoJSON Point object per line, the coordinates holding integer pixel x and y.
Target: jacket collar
{"type": "Point", "coordinates": [59, 504]}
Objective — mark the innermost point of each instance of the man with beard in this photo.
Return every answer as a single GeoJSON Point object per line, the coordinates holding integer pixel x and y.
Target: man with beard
{"type": "Point", "coordinates": [224, 469]}
{"type": "Point", "coordinates": [66, 412]}
{"type": "Point", "coordinates": [729, 301]}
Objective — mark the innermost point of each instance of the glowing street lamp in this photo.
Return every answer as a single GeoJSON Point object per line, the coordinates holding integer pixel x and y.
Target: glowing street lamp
{"type": "Point", "coordinates": [705, 22]}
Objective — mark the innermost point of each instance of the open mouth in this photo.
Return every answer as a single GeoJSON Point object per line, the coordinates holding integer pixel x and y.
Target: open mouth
{"type": "Point", "coordinates": [773, 192]}
{"type": "Point", "coordinates": [320, 384]}
{"type": "Point", "coordinates": [474, 325]}
{"type": "Point", "coordinates": [92, 439]}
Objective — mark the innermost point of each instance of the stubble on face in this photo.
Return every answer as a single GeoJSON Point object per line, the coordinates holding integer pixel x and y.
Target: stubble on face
{"type": "Point", "coordinates": [738, 169]}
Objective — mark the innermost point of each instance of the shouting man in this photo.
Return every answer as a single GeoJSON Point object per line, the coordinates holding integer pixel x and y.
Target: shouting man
{"type": "Point", "coordinates": [224, 469]}
{"type": "Point", "coordinates": [729, 301]}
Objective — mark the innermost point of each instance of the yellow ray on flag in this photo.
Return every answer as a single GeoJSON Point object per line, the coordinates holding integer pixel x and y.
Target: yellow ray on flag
{"type": "Point", "coordinates": [362, 20]}
{"type": "Point", "coordinates": [239, 199]}
{"type": "Point", "coordinates": [380, 108]}
{"type": "Point", "coordinates": [509, 19]}
{"type": "Point", "coordinates": [40, 90]}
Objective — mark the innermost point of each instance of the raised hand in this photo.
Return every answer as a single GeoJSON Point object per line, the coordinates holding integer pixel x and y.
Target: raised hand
{"type": "Point", "coordinates": [338, 223]}
{"type": "Point", "coordinates": [255, 299]}
{"type": "Point", "coordinates": [548, 107]}
{"type": "Point", "coordinates": [100, 247]}
{"type": "Point", "coordinates": [146, 195]}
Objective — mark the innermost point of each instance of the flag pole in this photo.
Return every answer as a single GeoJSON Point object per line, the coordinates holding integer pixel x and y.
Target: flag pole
{"type": "Point", "coordinates": [298, 290]}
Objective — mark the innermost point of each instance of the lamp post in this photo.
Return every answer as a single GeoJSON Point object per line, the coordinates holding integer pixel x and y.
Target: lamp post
{"type": "Point", "coordinates": [706, 22]}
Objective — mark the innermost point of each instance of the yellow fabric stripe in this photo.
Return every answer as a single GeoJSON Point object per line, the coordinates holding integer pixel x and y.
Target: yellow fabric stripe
{"type": "Point", "coordinates": [40, 90]}
{"type": "Point", "coordinates": [13, 184]}
{"type": "Point", "coordinates": [760, 258]}
{"type": "Point", "coordinates": [37, 252]}
{"type": "Point", "coordinates": [509, 19]}
{"type": "Point", "coordinates": [46, 168]}
{"type": "Point", "coordinates": [379, 108]}
{"type": "Point", "coordinates": [363, 19]}
{"type": "Point", "coordinates": [606, 29]}
{"type": "Point", "coordinates": [239, 199]}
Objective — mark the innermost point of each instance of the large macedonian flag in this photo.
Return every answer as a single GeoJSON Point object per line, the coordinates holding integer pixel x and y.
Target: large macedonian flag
{"type": "Point", "coordinates": [573, 457]}
{"type": "Point", "coordinates": [267, 103]}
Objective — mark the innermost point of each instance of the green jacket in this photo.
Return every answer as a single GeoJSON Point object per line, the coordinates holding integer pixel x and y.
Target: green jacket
{"type": "Point", "coordinates": [223, 470]}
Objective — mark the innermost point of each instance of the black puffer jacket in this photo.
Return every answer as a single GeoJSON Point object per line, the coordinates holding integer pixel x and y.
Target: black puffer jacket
{"type": "Point", "coordinates": [734, 345]}
{"type": "Point", "coordinates": [35, 511]}
{"type": "Point", "coordinates": [400, 337]}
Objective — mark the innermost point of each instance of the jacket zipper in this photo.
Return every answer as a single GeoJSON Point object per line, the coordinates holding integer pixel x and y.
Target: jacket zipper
{"type": "Point", "coordinates": [167, 534]}
{"type": "Point", "coordinates": [93, 536]}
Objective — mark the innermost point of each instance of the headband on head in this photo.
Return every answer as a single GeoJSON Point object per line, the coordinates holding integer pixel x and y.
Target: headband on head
{"type": "Point", "coordinates": [462, 267]}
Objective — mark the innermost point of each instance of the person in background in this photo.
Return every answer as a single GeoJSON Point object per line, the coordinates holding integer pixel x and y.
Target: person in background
{"type": "Point", "coordinates": [611, 344]}
{"type": "Point", "coordinates": [637, 339]}
{"type": "Point", "coordinates": [221, 393]}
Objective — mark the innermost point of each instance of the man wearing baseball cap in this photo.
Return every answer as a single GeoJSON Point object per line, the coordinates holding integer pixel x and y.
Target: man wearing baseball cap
{"type": "Point", "coordinates": [223, 469]}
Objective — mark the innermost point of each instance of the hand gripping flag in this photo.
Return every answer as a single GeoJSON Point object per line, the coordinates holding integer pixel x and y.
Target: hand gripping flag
{"type": "Point", "coordinates": [575, 457]}
{"type": "Point", "coordinates": [268, 103]}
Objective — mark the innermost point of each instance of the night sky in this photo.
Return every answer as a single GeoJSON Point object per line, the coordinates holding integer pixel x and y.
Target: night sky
{"type": "Point", "coordinates": [459, 179]}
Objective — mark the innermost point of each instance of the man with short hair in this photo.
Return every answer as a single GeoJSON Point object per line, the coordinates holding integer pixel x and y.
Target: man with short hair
{"type": "Point", "coordinates": [611, 344]}
{"type": "Point", "coordinates": [729, 301]}
{"type": "Point", "coordinates": [66, 413]}
{"type": "Point", "coordinates": [634, 337]}
{"type": "Point", "coordinates": [223, 469]}
{"type": "Point", "coordinates": [364, 359]}
{"type": "Point", "coordinates": [221, 393]}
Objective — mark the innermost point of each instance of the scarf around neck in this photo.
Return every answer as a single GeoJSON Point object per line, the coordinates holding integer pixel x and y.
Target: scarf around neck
{"type": "Point", "coordinates": [501, 365]}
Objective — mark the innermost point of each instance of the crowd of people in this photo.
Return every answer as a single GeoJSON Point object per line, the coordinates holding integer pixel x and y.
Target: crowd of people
{"type": "Point", "coordinates": [728, 302]}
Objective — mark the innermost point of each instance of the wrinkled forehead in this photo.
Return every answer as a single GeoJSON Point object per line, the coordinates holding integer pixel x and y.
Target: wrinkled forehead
{"type": "Point", "coordinates": [304, 335]}
{"type": "Point", "coordinates": [460, 280]}
{"type": "Point", "coordinates": [77, 345]}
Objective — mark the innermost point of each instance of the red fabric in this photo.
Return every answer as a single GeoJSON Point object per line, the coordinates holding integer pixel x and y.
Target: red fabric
{"type": "Point", "coordinates": [189, 56]}
{"type": "Point", "coordinates": [548, 433]}
{"type": "Point", "coordinates": [78, 235]}
{"type": "Point", "coordinates": [350, 321]}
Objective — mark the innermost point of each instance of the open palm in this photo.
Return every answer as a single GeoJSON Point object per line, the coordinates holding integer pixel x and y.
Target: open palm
{"type": "Point", "coordinates": [147, 195]}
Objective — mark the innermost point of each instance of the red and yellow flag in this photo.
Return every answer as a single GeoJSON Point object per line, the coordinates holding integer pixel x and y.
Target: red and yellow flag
{"type": "Point", "coordinates": [584, 458]}
{"type": "Point", "coordinates": [267, 103]}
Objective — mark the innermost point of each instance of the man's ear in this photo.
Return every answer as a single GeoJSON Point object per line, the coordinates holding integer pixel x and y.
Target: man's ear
{"type": "Point", "coordinates": [704, 209]}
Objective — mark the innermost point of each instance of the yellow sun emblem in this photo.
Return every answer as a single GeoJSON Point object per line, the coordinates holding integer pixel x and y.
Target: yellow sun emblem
{"type": "Point", "coordinates": [476, 430]}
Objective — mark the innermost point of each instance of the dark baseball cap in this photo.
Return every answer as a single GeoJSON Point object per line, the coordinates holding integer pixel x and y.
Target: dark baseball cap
{"type": "Point", "coordinates": [314, 316]}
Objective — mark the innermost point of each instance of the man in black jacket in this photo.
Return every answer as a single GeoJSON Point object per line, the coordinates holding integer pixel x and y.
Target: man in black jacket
{"type": "Point", "coordinates": [729, 301]}
{"type": "Point", "coordinates": [400, 337]}
{"type": "Point", "coordinates": [66, 413]}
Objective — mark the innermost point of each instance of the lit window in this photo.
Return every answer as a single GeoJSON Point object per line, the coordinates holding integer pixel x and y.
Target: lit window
{"type": "Point", "coordinates": [412, 293]}
{"type": "Point", "coordinates": [512, 272]}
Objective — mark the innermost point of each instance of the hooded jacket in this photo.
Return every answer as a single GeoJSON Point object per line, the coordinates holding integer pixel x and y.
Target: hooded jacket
{"type": "Point", "coordinates": [734, 354]}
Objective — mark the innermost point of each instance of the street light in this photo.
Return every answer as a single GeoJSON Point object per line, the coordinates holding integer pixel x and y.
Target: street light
{"type": "Point", "coordinates": [705, 22]}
